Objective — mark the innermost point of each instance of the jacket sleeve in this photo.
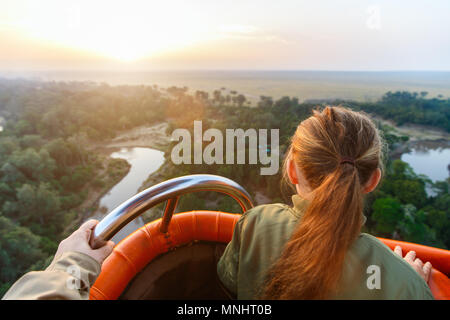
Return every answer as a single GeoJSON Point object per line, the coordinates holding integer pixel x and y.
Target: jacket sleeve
{"type": "Point", "coordinates": [228, 265]}
{"type": "Point", "coordinates": [69, 277]}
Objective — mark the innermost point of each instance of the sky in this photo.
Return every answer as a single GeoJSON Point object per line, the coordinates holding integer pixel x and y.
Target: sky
{"type": "Point", "coordinates": [150, 35]}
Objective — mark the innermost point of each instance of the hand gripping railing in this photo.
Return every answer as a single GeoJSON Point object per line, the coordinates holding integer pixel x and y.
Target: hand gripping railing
{"type": "Point", "coordinates": [169, 191]}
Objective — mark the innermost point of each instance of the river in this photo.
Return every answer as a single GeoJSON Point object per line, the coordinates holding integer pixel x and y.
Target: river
{"type": "Point", "coordinates": [429, 158]}
{"type": "Point", "coordinates": [143, 161]}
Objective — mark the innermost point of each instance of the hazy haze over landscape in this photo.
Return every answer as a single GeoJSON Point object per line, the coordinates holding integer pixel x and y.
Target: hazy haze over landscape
{"type": "Point", "coordinates": [305, 85]}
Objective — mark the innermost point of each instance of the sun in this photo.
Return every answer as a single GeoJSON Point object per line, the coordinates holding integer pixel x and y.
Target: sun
{"type": "Point", "coordinates": [122, 30]}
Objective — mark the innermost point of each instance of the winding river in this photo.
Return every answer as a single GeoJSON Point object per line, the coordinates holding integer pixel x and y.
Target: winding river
{"type": "Point", "coordinates": [143, 161]}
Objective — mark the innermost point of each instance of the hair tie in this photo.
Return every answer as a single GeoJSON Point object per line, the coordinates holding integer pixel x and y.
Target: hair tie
{"type": "Point", "coordinates": [347, 160]}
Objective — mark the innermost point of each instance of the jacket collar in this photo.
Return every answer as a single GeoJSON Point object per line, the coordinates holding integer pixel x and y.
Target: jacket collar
{"type": "Point", "coordinates": [299, 205]}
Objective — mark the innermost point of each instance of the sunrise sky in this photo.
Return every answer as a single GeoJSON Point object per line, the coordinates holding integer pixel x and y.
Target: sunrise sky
{"type": "Point", "coordinates": [227, 35]}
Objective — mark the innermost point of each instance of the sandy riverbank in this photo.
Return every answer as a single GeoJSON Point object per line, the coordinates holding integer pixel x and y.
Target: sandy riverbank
{"type": "Point", "coordinates": [154, 137]}
{"type": "Point", "coordinates": [415, 132]}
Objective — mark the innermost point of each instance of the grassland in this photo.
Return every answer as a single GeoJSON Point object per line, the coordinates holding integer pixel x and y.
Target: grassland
{"type": "Point", "coordinates": [305, 85]}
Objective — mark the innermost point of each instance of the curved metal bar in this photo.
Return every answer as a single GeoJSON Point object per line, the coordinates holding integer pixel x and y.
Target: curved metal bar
{"type": "Point", "coordinates": [165, 191]}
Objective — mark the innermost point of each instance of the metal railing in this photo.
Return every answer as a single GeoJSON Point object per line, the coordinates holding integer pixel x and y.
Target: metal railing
{"type": "Point", "coordinates": [169, 191]}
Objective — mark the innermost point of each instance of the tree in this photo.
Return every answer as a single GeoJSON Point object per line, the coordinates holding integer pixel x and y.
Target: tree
{"type": "Point", "coordinates": [77, 143]}
{"type": "Point", "coordinates": [31, 141]}
{"type": "Point", "coordinates": [404, 184]}
{"type": "Point", "coordinates": [265, 102]}
{"type": "Point", "coordinates": [11, 175]}
{"type": "Point", "coordinates": [7, 146]}
{"type": "Point", "coordinates": [34, 165]}
{"type": "Point", "coordinates": [37, 204]}
{"type": "Point", "coordinates": [387, 213]}
{"type": "Point", "coordinates": [216, 96]}
{"type": "Point", "coordinates": [413, 228]}
{"type": "Point", "coordinates": [19, 251]}
{"type": "Point", "coordinates": [240, 99]}
{"type": "Point", "coordinates": [60, 152]}
{"type": "Point", "coordinates": [410, 191]}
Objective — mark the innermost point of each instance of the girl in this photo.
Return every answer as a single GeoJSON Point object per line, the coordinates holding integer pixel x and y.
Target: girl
{"type": "Point", "coordinates": [315, 250]}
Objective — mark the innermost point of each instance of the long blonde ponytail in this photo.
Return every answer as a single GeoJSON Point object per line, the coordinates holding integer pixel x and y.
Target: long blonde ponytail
{"type": "Point", "coordinates": [336, 150]}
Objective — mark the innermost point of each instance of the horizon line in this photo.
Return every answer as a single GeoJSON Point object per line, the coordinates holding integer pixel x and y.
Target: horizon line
{"type": "Point", "coordinates": [219, 70]}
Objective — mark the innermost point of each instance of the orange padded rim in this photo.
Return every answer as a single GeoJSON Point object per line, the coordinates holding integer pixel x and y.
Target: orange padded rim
{"type": "Point", "coordinates": [134, 252]}
{"type": "Point", "coordinates": [440, 259]}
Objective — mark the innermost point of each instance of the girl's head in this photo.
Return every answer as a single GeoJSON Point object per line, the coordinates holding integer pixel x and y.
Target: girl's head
{"type": "Point", "coordinates": [336, 139]}
{"type": "Point", "coordinates": [334, 158]}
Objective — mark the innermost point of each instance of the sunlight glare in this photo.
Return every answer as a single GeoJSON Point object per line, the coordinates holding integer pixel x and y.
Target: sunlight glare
{"type": "Point", "coordinates": [127, 31]}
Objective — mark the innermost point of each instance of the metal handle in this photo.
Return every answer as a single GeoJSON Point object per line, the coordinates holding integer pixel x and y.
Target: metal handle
{"type": "Point", "coordinates": [169, 191]}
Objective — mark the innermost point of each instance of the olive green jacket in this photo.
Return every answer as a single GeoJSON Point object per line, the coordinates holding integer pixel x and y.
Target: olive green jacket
{"type": "Point", "coordinates": [371, 269]}
{"type": "Point", "coordinates": [68, 277]}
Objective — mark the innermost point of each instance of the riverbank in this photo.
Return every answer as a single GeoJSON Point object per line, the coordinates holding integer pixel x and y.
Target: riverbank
{"type": "Point", "coordinates": [154, 137]}
{"type": "Point", "coordinates": [415, 132]}
{"type": "Point", "coordinates": [421, 145]}
{"type": "Point", "coordinates": [112, 171]}
{"type": "Point", "coordinates": [419, 137]}
{"type": "Point", "coordinates": [160, 175]}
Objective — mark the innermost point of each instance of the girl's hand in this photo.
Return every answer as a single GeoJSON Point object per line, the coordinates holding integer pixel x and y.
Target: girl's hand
{"type": "Point", "coordinates": [423, 270]}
